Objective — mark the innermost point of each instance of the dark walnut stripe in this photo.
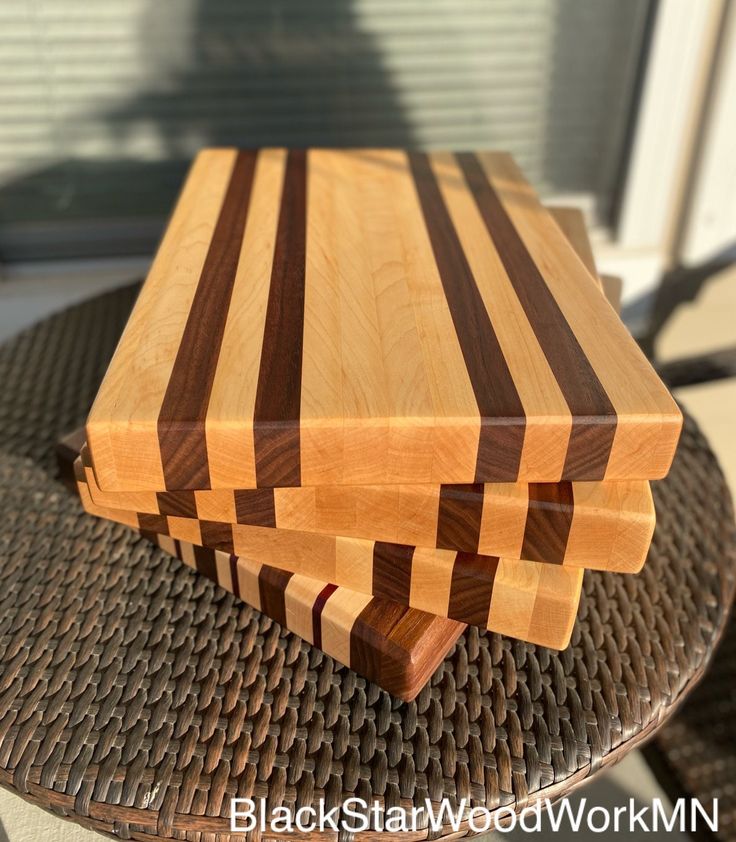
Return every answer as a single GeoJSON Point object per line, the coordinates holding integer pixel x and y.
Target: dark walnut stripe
{"type": "Point", "coordinates": [502, 419]}
{"type": "Point", "coordinates": [459, 517]}
{"type": "Point", "coordinates": [204, 559]}
{"type": "Point", "coordinates": [177, 503]}
{"type": "Point", "coordinates": [234, 576]}
{"type": "Point", "coordinates": [370, 645]}
{"type": "Point", "coordinates": [272, 584]}
{"type": "Point", "coordinates": [255, 507]}
{"type": "Point", "coordinates": [181, 430]}
{"type": "Point", "coordinates": [153, 523]}
{"type": "Point", "coordinates": [594, 417]}
{"type": "Point", "coordinates": [218, 536]}
{"type": "Point", "coordinates": [278, 393]}
{"type": "Point", "coordinates": [392, 571]}
{"type": "Point", "coordinates": [548, 522]}
{"type": "Point", "coordinates": [317, 609]}
{"type": "Point", "coordinates": [471, 588]}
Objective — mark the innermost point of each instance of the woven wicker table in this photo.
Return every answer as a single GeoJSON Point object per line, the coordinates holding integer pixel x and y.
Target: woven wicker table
{"type": "Point", "coordinates": [137, 699]}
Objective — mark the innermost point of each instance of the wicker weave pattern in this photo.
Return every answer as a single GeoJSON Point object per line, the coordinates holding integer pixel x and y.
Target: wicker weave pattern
{"type": "Point", "coordinates": [138, 698]}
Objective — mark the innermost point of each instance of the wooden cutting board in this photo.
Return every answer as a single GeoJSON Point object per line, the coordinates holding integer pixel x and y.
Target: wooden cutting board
{"type": "Point", "coordinates": [396, 647]}
{"type": "Point", "coordinates": [525, 599]}
{"type": "Point", "coordinates": [362, 317]}
{"type": "Point", "coordinates": [599, 526]}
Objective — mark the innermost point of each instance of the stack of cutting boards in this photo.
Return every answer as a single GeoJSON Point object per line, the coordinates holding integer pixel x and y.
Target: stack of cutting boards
{"type": "Point", "coordinates": [380, 395]}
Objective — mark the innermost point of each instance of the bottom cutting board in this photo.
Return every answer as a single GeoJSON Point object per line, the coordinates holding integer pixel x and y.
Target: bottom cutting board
{"type": "Point", "coordinates": [396, 647]}
{"type": "Point", "coordinates": [530, 600]}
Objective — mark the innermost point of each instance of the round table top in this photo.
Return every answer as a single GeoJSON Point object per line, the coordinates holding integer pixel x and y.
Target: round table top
{"type": "Point", "coordinates": [137, 698]}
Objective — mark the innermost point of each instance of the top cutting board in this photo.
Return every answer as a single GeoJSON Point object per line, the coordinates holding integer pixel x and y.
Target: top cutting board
{"type": "Point", "coordinates": [332, 317]}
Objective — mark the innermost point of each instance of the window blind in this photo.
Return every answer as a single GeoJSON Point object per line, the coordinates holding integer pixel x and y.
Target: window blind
{"type": "Point", "coordinates": [102, 104]}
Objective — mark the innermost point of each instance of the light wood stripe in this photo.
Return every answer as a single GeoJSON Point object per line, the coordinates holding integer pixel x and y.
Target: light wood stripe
{"type": "Point", "coordinates": [397, 647]}
{"type": "Point", "coordinates": [438, 581]}
{"type": "Point", "coordinates": [181, 432]}
{"type": "Point", "coordinates": [548, 418]}
{"type": "Point", "coordinates": [611, 528]}
{"type": "Point", "coordinates": [230, 447]}
{"type": "Point", "coordinates": [499, 445]}
{"type": "Point", "coordinates": [423, 322]}
{"type": "Point", "coordinates": [121, 429]}
{"type": "Point", "coordinates": [648, 421]}
{"type": "Point", "coordinates": [589, 443]}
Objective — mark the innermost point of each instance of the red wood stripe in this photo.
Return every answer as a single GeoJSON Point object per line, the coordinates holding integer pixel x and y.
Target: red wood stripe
{"type": "Point", "coordinates": [255, 507]}
{"type": "Point", "coordinates": [272, 584]}
{"type": "Point", "coordinates": [204, 559]}
{"type": "Point", "coordinates": [177, 503]}
{"type": "Point", "coordinates": [392, 571]}
{"type": "Point", "coordinates": [459, 517]}
{"type": "Point", "coordinates": [278, 393]}
{"type": "Point", "coordinates": [317, 609]}
{"type": "Point", "coordinates": [471, 588]}
{"type": "Point", "coordinates": [548, 522]}
{"type": "Point", "coordinates": [594, 416]}
{"type": "Point", "coordinates": [234, 575]}
{"type": "Point", "coordinates": [181, 430]}
{"type": "Point", "coordinates": [503, 421]}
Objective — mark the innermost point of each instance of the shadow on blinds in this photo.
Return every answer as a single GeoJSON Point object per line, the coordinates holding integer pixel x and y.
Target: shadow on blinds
{"type": "Point", "coordinates": [193, 74]}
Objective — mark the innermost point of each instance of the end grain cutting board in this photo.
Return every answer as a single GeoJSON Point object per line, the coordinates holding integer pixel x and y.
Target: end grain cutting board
{"type": "Point", "coordinates": [398, 648]}
{"type": "Point", "coordinates": [360, 317]}
{"type": "Point", "coordinates": [525, 599]}
{"type": "Point", "coordinates": [595, 525]}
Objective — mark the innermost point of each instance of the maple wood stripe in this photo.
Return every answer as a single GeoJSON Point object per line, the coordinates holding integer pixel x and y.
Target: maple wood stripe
{"type": "Point", "coordinates": [255, 507]}
{"type": "Point", "coordinates": [317, 609]}
{"type": "Point", "coordinates": [392, 571]}
{"type": "Point", "coordinates": [459, 517]}
{"type": "Point", "coordinates": [204, 559]}
{"type": "Point", "coordinates": [181, 420]}
{"type": "Point", "coordinates": [502, 421]}
{"type": "Point", "coordinates": [548, 522]}
{"type": "Point", "coordinates": [594, 416]}
{"type": "Point", "coordinates": [272, 584]}
{"type": "Point", "coordinates": [234, 575]}
{"type": "Point", "coordinates": [471, 588]}
{"type": "Point", "coordinates": [278, 393]}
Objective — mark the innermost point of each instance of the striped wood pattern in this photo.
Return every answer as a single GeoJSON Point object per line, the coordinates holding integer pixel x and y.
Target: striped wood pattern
{"type": "Point", "coordinates": [604, 526]}
{"type": "Point", "coordinates": [599, 526]}
{"type": "Point", "coordinates": [396, 647]}
{"type": "Point", "coordinates": [362, 317]}
{"type": "Point", "coordinates": [525, 599]}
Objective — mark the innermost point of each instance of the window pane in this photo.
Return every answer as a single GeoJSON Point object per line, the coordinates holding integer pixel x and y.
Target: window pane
{"type": "Point", "coordinates": [102, 105]}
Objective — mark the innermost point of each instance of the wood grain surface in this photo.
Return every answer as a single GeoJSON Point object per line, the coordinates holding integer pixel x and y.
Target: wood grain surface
{"type": "Point", "coordinates": [351, 318]}
{"type": "Point", "coordinates": [396, 647]}
{"type": "Point", "coordinates": [594, 525]}
{"type": "Point", "coordinates": [525, 599]}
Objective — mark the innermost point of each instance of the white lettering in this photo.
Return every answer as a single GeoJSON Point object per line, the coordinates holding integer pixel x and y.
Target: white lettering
{"type": "Point", "coordinates": [504, 819]}
{"type": "Point", "coordinates": [637, 818]}
{"type": "Point", "coordinates": [355, 808]}
{"type": "Point", "coordinates": [248, 813]}
{"type": "Point", "coordinates": [711, 821]}
{"type": "Point", "coordinates": [606, 820]}
{"type": "Point", "coordinates": [535, 811]}
{"type": "Point", "coordinates": [565, 809]}
{"type": "Point", "coordinates": [445, 815]}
